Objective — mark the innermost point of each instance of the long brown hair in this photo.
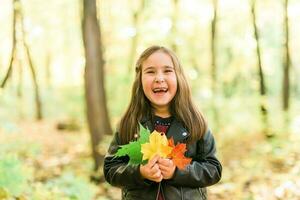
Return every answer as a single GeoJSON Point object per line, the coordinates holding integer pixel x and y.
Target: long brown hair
{"type": "Point", "coordinates": [181, 106]}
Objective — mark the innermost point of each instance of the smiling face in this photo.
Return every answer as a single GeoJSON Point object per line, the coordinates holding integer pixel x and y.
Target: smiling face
{"type": "Point", "coordinates": [159, 81]}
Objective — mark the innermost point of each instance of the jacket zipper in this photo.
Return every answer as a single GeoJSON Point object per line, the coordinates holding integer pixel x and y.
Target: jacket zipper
{"type": "Point", "coordinates": [181, 193]}
{"type": "Point", "coordinates": [162, 192]}
{"type": "Point", "coordinates": [158, 191]}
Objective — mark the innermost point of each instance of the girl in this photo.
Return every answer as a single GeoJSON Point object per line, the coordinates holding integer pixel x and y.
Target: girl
{"type": "Point", "coordinates": [161, 100]}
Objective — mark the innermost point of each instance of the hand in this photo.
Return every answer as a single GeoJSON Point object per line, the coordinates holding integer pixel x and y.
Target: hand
{"type": "Point", "coordinates": [166, 167]}
{"type": "Point", "coordinates": [151, 170]}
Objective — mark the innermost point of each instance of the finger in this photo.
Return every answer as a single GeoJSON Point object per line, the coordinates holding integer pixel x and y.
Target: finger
{"type": "Point", "coordinates": [164, 174]}
{"type": "Point", "coordinates": [167, 169]}
{"type": "Point", "coordinates": [166, 162]}
{"type": "Point", "coordinates": [157, 175]}
{"type": "Point", "coordinates": [164, 168]}
{"type": "Point", "coordinates": [172, 163]}
{"type": "Point", "coordinates": [154, 169]}
{"type": "Point", "coordinates": [153, 160]}
{"type": "Point", "coordinates": [161, 160]}
{"type": "Point", "coordinates": [159, 179]}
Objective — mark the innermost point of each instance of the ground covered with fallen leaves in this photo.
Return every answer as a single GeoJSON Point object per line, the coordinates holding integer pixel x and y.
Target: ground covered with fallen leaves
{"type": "Point", "coordinates": [44, 163]}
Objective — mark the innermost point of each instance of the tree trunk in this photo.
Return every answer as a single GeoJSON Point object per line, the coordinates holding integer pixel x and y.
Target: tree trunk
{"type": "Point", "coordinates": [286, 64]}
{"type": "Point", "coordinates": [262, 88]}
{"type": "Point", "coordinates": [13, 50]}
{"type": "Point", "coordinates": [213, 63]}
{"type": "Point", "coordinates": [136, 18]}
{"type": "Point", "coordinates": [20, 80]}
{"type": "Point", "coordinates": [174, 27]}
{"type": "Point", "coordinates": [18, 15]}
{"type": "Point", "coordinates": [213, 47]}
{"type": "Point", "coordinates": [37, 98]}
{"type": "Point", "coordinates": [97, 115]}
{"type": "Point", "coordinates": [20, 88]}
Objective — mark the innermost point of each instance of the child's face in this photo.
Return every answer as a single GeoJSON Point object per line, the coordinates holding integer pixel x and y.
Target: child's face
{"type": "Point", "coordinates": [159, 80]}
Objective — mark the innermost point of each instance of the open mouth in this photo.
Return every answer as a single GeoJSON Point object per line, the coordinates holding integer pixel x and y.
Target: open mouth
{"type": "Point", "coordinates": [160, 90]}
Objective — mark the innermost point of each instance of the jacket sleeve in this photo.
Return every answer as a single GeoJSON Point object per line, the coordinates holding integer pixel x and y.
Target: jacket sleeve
{"type": "Point", "coordinates": [118, 172]}
{"type": "Point", "coordinates": [204, 170]}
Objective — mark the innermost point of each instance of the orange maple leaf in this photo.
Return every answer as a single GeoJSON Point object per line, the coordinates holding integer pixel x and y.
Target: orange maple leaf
{"type": "Point", "coordinates": [177, 154]}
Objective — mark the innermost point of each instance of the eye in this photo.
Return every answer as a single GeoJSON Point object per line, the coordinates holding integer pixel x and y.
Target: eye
{"type": "Point", "coordinates": [168, 70]}
{"type": "Point", "coordinates": [150, 72]}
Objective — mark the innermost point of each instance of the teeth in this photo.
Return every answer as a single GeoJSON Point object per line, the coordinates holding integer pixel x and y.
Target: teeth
{"type": "Point", "coordinates": [160, 89]}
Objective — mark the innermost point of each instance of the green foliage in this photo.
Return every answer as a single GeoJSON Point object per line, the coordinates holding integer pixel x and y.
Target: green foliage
{"type": "Point", "coordinates": [71, 187]}
{"type": "Point", "coordinates": [133, 149]}
{"type": "Point", "coordinates": [13, 176]}
{"type": "Point", "coordinates": [21, 148]}
{"type": "Point", "coordinates": [41, 191]}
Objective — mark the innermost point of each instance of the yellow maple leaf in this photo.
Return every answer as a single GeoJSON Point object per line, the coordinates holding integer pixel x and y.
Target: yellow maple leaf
{"type": "Point", "coordinates": [157, 145]}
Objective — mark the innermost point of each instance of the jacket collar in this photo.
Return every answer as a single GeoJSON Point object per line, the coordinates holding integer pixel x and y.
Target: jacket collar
{"type": "Point", "coordinates": [176, 130]}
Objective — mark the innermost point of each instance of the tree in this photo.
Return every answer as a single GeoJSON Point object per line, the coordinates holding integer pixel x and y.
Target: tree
{"type": "Point", "coordinates": [287, 61]}
{"type": "Point", "coordinates": [97, 114]}
{"type": "Point", "coordinates": [18, 17]}
{"type": "Point", "coordinates": [213, 46]}
{"type": "Point", "coordinates": [262, 88]}
{"type": "Point", "coordinates": [136, 24]}
{"type": "Point", "coordinates": [174, 26]}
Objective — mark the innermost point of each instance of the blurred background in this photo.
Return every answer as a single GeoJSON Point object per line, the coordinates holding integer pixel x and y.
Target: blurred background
{"type": "Point", "coordinates": [66, 70]}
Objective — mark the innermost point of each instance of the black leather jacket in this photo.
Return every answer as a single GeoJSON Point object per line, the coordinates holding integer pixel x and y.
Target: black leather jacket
{"type": "Point", "coordinates": [187, 184]}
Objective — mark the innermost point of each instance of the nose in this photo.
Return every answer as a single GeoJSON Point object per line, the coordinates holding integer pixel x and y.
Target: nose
{"type": "Point", "coordinates": [159, 79]}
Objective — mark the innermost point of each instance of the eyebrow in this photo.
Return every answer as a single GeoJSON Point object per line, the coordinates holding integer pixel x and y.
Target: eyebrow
{"type": "Point", "coordinates": [151, 67]}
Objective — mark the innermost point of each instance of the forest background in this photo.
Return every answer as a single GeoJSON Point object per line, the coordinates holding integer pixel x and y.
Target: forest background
{"type": "Point", "coordinates": [66, 70]}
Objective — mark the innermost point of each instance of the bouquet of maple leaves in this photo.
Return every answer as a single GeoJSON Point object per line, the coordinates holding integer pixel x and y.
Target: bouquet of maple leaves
{"type": "Point", "coordinates": [148, 145]}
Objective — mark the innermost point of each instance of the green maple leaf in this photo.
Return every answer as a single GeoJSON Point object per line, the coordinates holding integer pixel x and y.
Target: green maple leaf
{"type": "Point", "coordinates": [144, 135]}
{"type": "Point", "coordinates": [133, 149]}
